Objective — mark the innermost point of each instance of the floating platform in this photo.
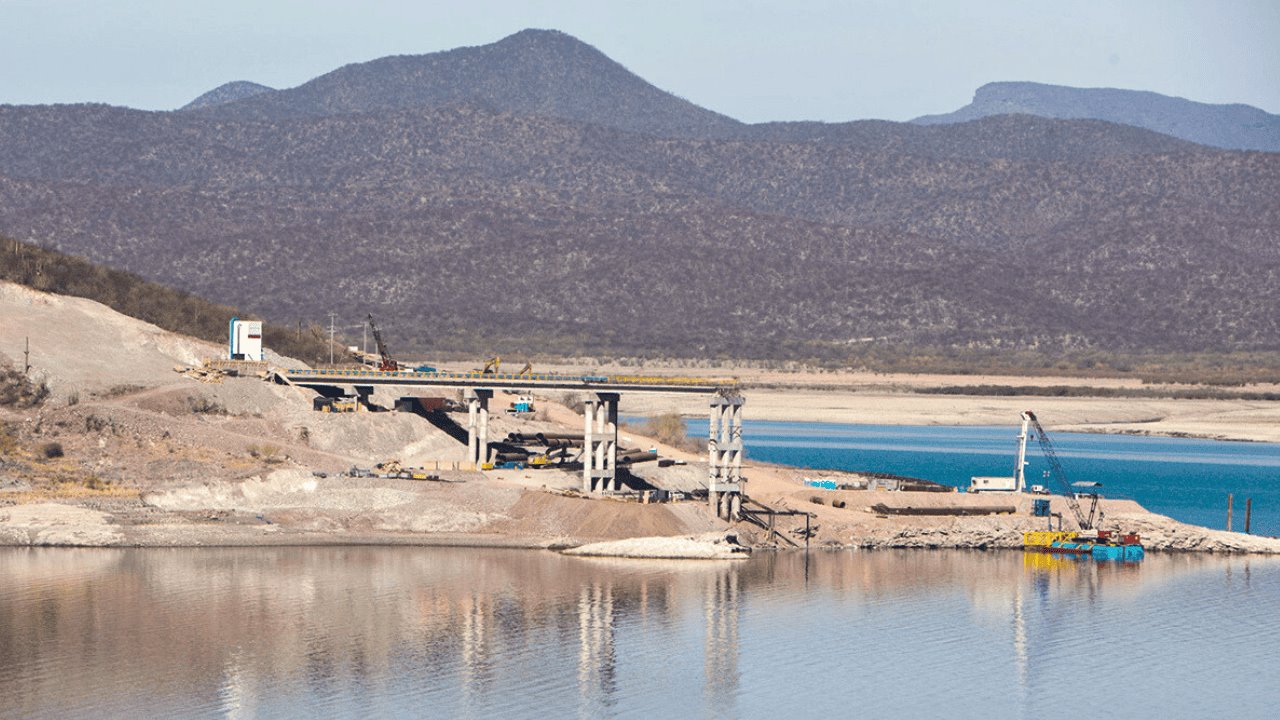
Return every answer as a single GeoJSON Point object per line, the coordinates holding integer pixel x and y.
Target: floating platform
{"type": "Point", "coordinates": [1103, 546]}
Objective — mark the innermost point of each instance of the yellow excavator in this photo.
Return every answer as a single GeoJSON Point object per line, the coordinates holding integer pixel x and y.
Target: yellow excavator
{"type": "Point", "coordinates": [491, 366]}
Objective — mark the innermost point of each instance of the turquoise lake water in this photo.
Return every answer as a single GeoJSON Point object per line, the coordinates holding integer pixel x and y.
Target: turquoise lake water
{"type": "Point", "coordinates": [1185, 479]}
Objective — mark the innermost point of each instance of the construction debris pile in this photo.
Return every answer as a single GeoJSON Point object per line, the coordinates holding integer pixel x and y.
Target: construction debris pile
{"type": "Point", "coordinates": [561, 450]}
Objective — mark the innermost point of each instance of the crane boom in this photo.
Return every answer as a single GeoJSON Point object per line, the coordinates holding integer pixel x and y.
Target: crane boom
{"type": "Point", "coordinates": [388, 363]}
{"type": "Point", "coordinates": [1060, 475]}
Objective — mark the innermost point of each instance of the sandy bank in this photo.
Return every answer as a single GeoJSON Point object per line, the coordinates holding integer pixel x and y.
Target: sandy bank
{"type": "Point", "coordinates": [709, 546]}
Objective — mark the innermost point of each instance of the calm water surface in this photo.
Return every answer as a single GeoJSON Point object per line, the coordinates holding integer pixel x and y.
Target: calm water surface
{"type": "Point", "coordinates": [412, 632]}
{"type": "Point", "coordinates": [1183, 478]}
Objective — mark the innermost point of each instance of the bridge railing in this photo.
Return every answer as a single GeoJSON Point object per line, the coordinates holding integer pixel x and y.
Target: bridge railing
{"type": "Point", "coordinates": [543, 377]}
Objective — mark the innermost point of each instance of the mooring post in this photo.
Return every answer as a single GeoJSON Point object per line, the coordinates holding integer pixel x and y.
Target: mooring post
{"type": "Point", "coordinates": [1248, 514]}
{"type": "Point", "coordinates": [1229, 499]}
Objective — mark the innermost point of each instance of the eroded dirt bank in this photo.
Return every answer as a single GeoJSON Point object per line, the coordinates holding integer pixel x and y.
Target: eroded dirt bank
{"type": "Point", "coordinates": [126, 452]}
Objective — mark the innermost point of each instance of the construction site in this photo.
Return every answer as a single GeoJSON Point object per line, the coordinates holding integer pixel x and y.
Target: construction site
{"type": "Point", "coordinates": [241, 446]}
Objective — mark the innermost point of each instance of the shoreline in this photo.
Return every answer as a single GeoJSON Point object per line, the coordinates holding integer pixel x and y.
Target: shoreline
{"type": "Point", "coordinates": [1226, 420]}
{"type": "Point", "coordinates": [856, 528]}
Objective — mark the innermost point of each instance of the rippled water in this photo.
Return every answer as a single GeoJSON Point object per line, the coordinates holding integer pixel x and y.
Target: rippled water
{"type": "Point", "coordinates": [414, 632]}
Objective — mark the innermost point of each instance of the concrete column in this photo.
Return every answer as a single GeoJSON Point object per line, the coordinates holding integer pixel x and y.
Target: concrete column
{"type": "Point", "coordinates": [724, 443]}
{"type": "Point", "coordinates": [713, 458]}
{"type": "Point", "coordinates": [588, 443]}
{"type": "Point", "coordinates": [735, 440]}
{"type": "Point", "coordinates": [609, 446]}
{"type": "Point", "coordinates": [601, 440]}
{"type": "Point", "coordinates": [473, 406]}
{"type": "Point", "coordinates": [478, 425]}
{"type": "Point", "coordinates": [600, 443]}
{"type": "Point", "coordinates": [484, 427]}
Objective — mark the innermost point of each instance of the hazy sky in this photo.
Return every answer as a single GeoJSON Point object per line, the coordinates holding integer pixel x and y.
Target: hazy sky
{"type": "Point", "coordinates": [756, 61]}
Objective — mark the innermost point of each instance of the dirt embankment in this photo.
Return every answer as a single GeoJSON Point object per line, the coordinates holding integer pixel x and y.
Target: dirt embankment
{"type": "Point", "coordinates": [127, 452]}
{"type": "Point", "coordinates": [859, 524]}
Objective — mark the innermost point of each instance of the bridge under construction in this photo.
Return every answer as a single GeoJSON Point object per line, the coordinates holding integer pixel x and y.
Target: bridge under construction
{"type": "Point", "coordinates": [600, 415]}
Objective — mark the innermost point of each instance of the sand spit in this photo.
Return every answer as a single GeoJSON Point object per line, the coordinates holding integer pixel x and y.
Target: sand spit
{"type": "Point", "coordinates": [708, 546]}
{"type": "Point", "coordinates": [56, 524]}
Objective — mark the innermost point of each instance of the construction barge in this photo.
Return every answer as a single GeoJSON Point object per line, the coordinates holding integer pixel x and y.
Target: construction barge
{"type": "Point", "coordinates": [1102, 545]}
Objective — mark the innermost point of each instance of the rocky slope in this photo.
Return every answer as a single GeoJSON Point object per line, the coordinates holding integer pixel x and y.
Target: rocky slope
{"type": "Point", "coordinates": [539, 72]}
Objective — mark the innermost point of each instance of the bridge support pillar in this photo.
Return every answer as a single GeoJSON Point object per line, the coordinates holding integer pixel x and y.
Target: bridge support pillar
{"type": "Point", "coordinates": [724, 455]}
{"type": "Point", "coordinates": [600, 443]}
{"type": "Point", "coordinates": [478, 425]}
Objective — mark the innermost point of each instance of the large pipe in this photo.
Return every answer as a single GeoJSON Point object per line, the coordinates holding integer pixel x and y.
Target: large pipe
{"type": "Point", "coordinates": [635, 456]}
{"type": "Point", "coordinates": [539, 439]}
{"type": "Point", "coordinates": [545, 436]}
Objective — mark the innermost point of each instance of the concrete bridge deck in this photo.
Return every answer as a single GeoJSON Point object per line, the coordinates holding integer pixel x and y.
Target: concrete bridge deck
{"type": "Point", "coordinates": [510, 381]}
{"type": "Point", "coordinates": [600, 415]}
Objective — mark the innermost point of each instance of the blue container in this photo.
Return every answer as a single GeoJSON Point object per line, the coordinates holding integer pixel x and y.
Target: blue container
{"type": "Point", "coordinates": [1123, 553]}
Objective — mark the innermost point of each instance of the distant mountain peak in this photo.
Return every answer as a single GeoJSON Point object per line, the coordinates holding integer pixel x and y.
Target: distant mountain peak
{"type": "Point", "coordinates": [543, 72]}
{"type": "Point", "coordinates": [1233, 127]}
{"type": "Point", "coordinates": [227, 93]}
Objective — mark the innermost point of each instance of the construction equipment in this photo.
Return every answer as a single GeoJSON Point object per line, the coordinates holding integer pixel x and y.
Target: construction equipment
{"type": "Point", "coordinates": [526, 370]}
{"type": "Point", "coordinates": [521, 406]}
{"type": "Point", "coordinates": [336, 405]}
{"type": "Point", "coordinates": [1086, 522]}
{"type": "Point", "coordinates": [491, 366]}
{"type": "Point", "coordinates": [387, 363]}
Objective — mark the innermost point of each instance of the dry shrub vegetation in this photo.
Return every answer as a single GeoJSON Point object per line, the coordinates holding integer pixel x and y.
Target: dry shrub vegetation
{"type": "Point", "coordinates": [670, 429]}
{"type": "Point", "coordinates": [269, 454]}
{"type": "Point", "coordinates": [165, 307]}
{"type": "Point", "coordinates": [18, 390]}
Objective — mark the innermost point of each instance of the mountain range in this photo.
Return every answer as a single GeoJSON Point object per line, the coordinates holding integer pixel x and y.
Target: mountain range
{"type": "Point", "coordinates": [1232, 127]}
{"type": "Point", "coordinates": [533, 195]}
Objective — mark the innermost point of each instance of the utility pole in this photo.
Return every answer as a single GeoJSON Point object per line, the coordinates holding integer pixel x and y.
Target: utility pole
{"type": "Point", "coordinates": [332, 315]}
{"type": "Point", "coordinates": [26, 357]}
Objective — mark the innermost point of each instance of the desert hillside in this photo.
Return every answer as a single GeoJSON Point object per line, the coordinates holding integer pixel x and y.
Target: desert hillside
{"type": "Point", "coordinates": [533, 196]}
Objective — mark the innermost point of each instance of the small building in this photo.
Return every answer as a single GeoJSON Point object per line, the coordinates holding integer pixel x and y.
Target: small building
{"type": "Point", "coordinates": [246, 340]}
{"type": "Point", "coordinates": [993, 484]}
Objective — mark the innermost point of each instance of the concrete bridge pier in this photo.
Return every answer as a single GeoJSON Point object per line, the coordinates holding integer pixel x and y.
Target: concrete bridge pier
{"type": "Point", "coordinates": [478, 425]}
{"type": "Point", "coordinates": [600, 443]}
{"type": "Point", "coordinates": [724, 455]}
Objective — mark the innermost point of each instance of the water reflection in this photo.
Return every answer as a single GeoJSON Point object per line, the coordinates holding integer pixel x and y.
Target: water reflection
{"type": "Point", "coordinates": [596, 660]}
{"type": "Point", "coordinates": [720, 653]}
{"type": "Point", "coordinates": [473, 633]}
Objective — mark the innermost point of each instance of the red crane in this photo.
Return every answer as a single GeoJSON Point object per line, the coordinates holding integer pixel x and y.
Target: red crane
{"type": "Point", "coordinates": [388, 364]}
